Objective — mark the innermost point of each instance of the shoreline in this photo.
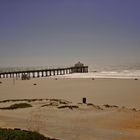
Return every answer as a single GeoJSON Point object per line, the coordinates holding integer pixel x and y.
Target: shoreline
{"type": "Point", "coordinates": [97, 77]}
{"type": "Point", "coordinates": [94, 78]}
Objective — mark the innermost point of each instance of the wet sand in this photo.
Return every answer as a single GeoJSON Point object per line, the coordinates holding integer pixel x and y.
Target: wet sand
{"type": "Point", "coordinates": [91, 121]}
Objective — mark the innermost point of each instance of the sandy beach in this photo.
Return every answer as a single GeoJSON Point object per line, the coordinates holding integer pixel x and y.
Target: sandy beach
{"type": "Point", "coordinates": [122, 92]}
{"type": "Point", "coordinates": [91, 121]}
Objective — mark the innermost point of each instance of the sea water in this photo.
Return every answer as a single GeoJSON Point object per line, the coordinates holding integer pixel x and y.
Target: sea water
{"type": "Point", "coordinates": [126, 74]}
{"type": "Point", "coordinates": [110, 71]}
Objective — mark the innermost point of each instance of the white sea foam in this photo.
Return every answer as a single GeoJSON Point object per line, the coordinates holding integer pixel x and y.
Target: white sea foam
{"type": "Point", "coordinates": [125, 74]}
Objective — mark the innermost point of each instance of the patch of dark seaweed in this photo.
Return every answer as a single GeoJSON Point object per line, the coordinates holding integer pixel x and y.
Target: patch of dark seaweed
{"type": "Point", "coordinates": [16, 106]}
{"type": "Point", "coordinates": [68, 106]}
{"type": "Point", "coordinates": [90, 104]}
{"type": "Point", "coordinates": [20, 100]}
{"type": "Point", "coordinates": [33, 100]}
{"type": "Point", "coordinates": [110, 106]}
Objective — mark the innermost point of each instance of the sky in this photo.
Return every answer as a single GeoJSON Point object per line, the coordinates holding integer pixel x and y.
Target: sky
{"type": "Point", "coordinates": [62, 32]}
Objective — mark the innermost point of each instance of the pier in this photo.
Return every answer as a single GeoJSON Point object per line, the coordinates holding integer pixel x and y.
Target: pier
{"type": "Point", "coordinates": [77, 68]}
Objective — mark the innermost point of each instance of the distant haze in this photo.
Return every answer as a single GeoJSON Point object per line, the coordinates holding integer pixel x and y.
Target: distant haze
{"type": "Point", "coordinates": [62, 32]}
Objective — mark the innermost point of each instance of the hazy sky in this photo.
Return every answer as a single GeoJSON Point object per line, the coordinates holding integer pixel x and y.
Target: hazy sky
{"type": "Point", "coordinates": [62, 32]}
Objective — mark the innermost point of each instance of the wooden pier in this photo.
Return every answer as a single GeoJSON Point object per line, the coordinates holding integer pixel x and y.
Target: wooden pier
{"type": "Point", "coordinates": [77, 68]}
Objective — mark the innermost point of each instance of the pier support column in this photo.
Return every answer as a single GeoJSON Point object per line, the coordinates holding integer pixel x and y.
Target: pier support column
{"type": "Point", "coordinates": [50, 73]}
{"type": "Point", "coordinates": [53, 72]}
{"type": "Point", "coordinates": [19, 75]}
{"type": "Point", "coordinates": [72, 70]}
{"type": "Point", "coordinates": [60, 72]}
{"type": "Point", "coordinates": [56, 72]}
{"type": "Point", "coordinates": [33, 74]}
{"type": "Point", "coordinates": [46, 73]}
{"type": "Point", "coordinates": [38, 74]}
{"type": "Point", "coordinates": [69, 71]}
{"type": "Point", "coordinates": [86, 69]}
{"type": "Point", "coordinates": [66, 71]}
{"type": "Point", "coordinates": [42, 73]}
{"type": "Point", "coordinates": [63, 71]}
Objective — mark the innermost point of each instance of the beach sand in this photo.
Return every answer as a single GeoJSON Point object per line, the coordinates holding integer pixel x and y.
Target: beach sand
{"type": "Point", "coordinates": [120, 92]}
{"type": "Point", "coordinates": [89, 122]}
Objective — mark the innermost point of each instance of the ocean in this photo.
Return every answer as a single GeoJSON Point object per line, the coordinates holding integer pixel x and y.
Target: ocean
{"type": "Point", "coordinates": [126, 74]}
